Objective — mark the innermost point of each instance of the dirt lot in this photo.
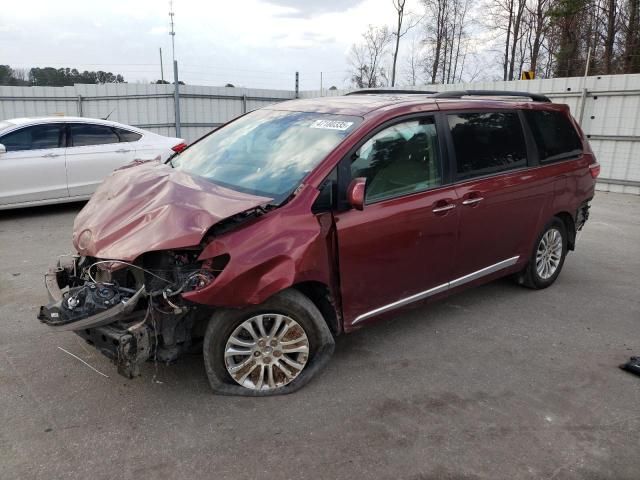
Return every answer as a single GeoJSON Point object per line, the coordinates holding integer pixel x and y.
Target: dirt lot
{"type": "Point", "coordinates": [497, 383]}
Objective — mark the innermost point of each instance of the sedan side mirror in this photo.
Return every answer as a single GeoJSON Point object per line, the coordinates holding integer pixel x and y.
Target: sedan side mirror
{"type": "Point", "coordinates": [3, 149]}
{"type": "Point", "coordinates": [356, 192]}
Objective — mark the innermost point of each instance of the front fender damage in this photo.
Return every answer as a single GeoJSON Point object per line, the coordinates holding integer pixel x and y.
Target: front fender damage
{"type": "Point", "coordinates": [156, 305]}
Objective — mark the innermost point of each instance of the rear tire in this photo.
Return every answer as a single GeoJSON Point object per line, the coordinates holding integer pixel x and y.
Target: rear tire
{"type": "Point", "coordinates": [548, 256]}
{"type": "Point", "coordinates": [281, 345]}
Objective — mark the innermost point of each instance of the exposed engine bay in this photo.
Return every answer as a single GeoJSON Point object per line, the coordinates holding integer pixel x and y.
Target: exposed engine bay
{"type": "Point", "coordinates": [131, 312]}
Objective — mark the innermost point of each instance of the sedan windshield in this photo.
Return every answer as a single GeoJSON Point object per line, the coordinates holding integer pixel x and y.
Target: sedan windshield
{"type": "Point", "coordinates": [266, 152]}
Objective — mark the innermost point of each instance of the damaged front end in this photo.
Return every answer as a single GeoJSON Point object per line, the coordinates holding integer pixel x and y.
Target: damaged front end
{"type": "Point", "coordinates": [131, 312]}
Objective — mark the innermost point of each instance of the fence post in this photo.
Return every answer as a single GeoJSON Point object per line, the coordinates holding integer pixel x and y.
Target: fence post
{"type": "Point", "coordinates": [583, 97]}
{"type": "Point", "coordinates": [297, 85]}
{"type": "Point", "coordinates": [583, 100]}
{"type": "Point", "coordinates": [80, 105]}
{"type": "Point", "coordinates": [244, 103]}
{"type": "Point", "coordinates": [176, 97]}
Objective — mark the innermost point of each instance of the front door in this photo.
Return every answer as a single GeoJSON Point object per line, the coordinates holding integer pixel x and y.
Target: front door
{"type": "Point", "coordinates": [94, 152]}
{"type": "Point", "coordinates": [399, 248]}
{"type": "Point", "coordinates": [33, 166]}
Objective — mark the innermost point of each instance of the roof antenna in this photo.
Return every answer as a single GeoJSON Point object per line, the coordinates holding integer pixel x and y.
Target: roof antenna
{"type": "Point", "coordinates": [107, 117]}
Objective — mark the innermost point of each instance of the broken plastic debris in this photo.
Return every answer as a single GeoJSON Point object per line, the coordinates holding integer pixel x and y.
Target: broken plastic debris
{"type": "Point", "coordinates": [633, 365]}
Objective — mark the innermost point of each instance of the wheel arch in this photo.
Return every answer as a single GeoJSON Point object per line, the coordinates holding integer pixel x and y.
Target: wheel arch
{"type": "Point", "coordinates": [570, 226]}
{"type": "Point", "coordinates": [321, 296]}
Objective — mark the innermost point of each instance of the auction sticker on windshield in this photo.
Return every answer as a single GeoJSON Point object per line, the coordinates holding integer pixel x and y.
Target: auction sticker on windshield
{"type": "Point", "coordinates": [331, 124]}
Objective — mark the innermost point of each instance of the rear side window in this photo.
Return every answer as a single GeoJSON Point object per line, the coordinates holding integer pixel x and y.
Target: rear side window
{"type": "Point", "coordinates": [554, 135]}
{"type": "Point", "coordinates": [487, 143]}
{"type": "Point", "coordinates": [34, 138]}
{"type": "Point", "coordinates": [83, 134]}
{"type": "Point", "coordinates": [127, 136]}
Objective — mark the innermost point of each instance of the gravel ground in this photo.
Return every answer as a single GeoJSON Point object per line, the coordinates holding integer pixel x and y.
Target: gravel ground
{"type": "Point", "coordinates": [499, 382]}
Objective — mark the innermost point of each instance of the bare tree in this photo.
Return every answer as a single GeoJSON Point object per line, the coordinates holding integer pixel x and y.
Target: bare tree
{"type": "Point", "coordinates": [446, 23]}
{"type": "Point", "coordinates": [436, 12]}
{"type": "Point", "coordinates": [402, 28]}
{"type": "Point", "coordinates": [538, 26]}
{"type": "Point", "coordinates": [611, 14]}
{"type": "Point", "coordinates": [457, 29]}
{"type": "Point", "coordinates": [399, 6]}
{"type": "Point", "coordinates": [414, 63]}
{"type": "Point", "coordinates": [507, 16]}
{"type": "Point", "coordinates": [518, 12]}
{"type": "Point", "coordinates": [21, 74]}
{"type": "Point", "coordinates": [366, 58]}
{"type": "Point", "coordinates": [631, 32]}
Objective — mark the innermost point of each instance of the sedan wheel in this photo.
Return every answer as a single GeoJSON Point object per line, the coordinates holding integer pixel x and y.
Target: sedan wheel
{"type": "Point", "coordinates": [266, 351]}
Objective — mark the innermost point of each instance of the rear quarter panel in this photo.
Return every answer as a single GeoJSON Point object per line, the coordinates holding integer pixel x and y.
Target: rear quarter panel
{"type": "Point", "coordinates": [572, 180]}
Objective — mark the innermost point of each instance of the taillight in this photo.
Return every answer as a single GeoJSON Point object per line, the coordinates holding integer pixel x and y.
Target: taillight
{"type": "Point", "coordinates": [179, 147]}
{"type": "Point", "coordinates": [594, 169]}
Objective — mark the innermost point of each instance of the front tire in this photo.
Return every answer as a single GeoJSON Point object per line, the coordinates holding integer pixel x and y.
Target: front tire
{"type": "Point", "coordinates": [268, 349]}
{"type": "Point", "coordinates": [548, 256]}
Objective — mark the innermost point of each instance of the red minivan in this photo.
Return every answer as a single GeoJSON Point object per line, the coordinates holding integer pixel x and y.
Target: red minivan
{"type": "Point", "coordinates": [291, 224]}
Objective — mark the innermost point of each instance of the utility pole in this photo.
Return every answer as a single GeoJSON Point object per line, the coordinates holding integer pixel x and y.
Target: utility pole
{"type": "Point", "coordinates": [161, 67]}
{"type": "Point", "coordinates": [297, 85]}
{"type": "Point", "coordinates": [176, 85]}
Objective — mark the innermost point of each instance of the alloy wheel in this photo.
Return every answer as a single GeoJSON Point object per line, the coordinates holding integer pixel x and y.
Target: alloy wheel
{"type": "Point", "coordinates": [266, 351]}
{"type": "Point", "coordinates": [549, 253]}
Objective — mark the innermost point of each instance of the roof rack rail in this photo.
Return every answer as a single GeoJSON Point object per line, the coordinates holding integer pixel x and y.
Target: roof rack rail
{"type": "Point", "coordinates": [491, 93]}
{"type": "Point", "coordinates": [378, 91]}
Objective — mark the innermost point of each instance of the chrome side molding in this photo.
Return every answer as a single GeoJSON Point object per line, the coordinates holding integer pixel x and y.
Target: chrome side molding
{"type": "Point", "coordinates": [439, 289]}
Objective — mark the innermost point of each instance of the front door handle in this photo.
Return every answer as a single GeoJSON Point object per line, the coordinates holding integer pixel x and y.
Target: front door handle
{"type": "Point", "coordinates": [122, 150]}
{"type": "Point", "coordinates": [472, 201]}
{"type": "Point", "coordinates": [51, 155]}
{"type": "Point", "coordinates": [444, 208]}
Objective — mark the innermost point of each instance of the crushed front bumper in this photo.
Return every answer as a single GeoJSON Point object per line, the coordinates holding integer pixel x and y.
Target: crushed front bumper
{"type": "Point", "coordinates": [103, 314]}
{"type": "Point", "coordinates": [128, 348]}
{"type": "Point", "coordinates": [128, 319]}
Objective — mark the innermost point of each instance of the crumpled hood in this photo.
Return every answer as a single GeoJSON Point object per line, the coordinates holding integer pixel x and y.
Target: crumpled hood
{"type": "Point", "coordinates": [150, 207]}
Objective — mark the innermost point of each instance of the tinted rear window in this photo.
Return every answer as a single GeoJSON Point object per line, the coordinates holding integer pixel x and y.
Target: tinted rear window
{"type": "Point", "coordinates": [487, 142]}
{"type": "Point", "coordinates": [127, 136]}
{"type": "Point", "coordinates": [554, 135]}
{"type": "Point", "coordinates": [83, 134]}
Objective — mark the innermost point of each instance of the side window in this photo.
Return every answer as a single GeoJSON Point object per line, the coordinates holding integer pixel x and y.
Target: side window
{"type": "Point", "coordinates": [399, 160]}
{"type": "Point", "coordinates": [127, 136]}
{"type": "Point", "coordinates": [34, 138]}
{"type": "Point", "coordinates": [487, 142]}
{"type": "Point", "coordinates": [555, 137]}
{"type": "Point", "coordinates": [83, 134]}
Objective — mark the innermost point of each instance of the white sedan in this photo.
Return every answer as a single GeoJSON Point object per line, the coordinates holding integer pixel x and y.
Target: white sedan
{"type": "Point", "coordinates": [64, 159]}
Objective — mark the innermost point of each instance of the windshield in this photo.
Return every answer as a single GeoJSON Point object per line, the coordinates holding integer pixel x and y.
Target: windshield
{"type": "Point", "coordinates": [266, 152]}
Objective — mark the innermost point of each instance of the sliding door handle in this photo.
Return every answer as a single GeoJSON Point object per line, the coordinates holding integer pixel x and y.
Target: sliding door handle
{"type": "Point", "coordinates": [444, 208]}
{"type": "Point", "coordinates": [472, 201]}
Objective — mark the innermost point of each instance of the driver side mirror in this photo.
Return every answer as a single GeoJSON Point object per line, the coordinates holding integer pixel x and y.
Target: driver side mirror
{"type": "Point", "coordinates": [356, 192]}
{"type": "Point", "coordinates": [3, 149]}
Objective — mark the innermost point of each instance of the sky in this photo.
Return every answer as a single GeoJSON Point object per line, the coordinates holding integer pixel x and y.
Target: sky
{"type": "Point", "coordinates": [251, 43]}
